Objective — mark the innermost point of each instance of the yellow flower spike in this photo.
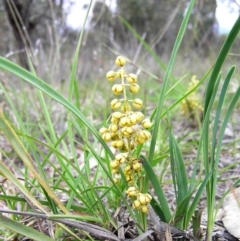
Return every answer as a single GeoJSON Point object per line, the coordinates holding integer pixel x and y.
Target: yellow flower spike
{"type": "Point", "coordinates": [103, 130]}
{"type": "Point", "coordinates": [134, 88]}
{"type": "Point", "coordinates": [113, 128]}
{"type": "Point", "coordinates": [136, 204]}
{"type": "Point", "coordinates": [114, 164]}
{"type": "Point", "coordinates": [131, 78]}
{"type": "Point", "coordinates": [120, 61]}
{"type": "Point", "coordinates": [144, 209]}
{"type": "Point", "coordinates": [137, 103]}
{"type": "Point", "coordinates": [117, 89]}
{"type": "Point", "coordinates": [132, 192]}
{"type": "Point", "coordinates": [111, 75]}
{"type": "Point", "coordinates": [115, 104]}
{"type": "Point", "coordinates": [146, 123]}
{"type": "Point", "coordinates": [125, 107]}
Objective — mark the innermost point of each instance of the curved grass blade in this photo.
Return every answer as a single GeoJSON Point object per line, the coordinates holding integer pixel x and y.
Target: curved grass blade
{"type": "Point", "coordinates": [218, 111]}
{"type": "Point", "coordinates": [219, 63]}
{"type": "Point", "coordinates": [178, 170]}
{"type": "Point", "coordinates": [40, 84]}
{"type": "Point", "coordinates": [158, 189]}
{"type": "Point", "coordinates": [25, 157]}
{"type": "Point", "coordinates": [196, 199]}
{"type": "Point", "coordinates": [23, 230]}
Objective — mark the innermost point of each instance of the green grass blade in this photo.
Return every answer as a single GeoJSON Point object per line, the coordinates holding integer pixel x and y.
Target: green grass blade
{"type": "Point", "coordinates": [158, 189]}
{"type": "Point", "coordinates": [23, 230]}
{"type": "Point", "coordinates": [24, 155]}
{"type": "Point", "coordinates": [218, 111]}
{"type": "Point", "coordinates": [166, 80]}
{"type": "Point", "coordinates": [180, 171]}
{"type": "Point", "coordinates": [219, 144]}
{"type": "Point", "coordinates": [220, 60]}
{"type": "Point", "coordinates": [40, 84]}
{"type": "Point", "coordinates": [195, 201]}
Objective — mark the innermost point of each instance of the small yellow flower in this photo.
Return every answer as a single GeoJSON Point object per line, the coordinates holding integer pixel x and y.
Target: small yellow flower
{"type": "Point", "coordinates": [132, 192]}
{"type": "Point", "coordinates": [125, 107]}
{"type": "Point", "coordinates": [120, 61]}
{"type": "Point", "coordinates": [134, 88]}
{"type": "Point", "coordinates": [117, 89]}
{"type": "Point", "coordinates": [106, 136]}
{"type": "Point", "coordinates": [127, 131]}
{"type": "Point", "coordinates": [111, 75]}
{"type": "Point", "coordinates": [146, 123]}
{"type": "Point", "coordinates": [117, 115]}
{"type": "Point", "coordinates": [103, 130]}
{"type": "Point", "coordinates": [131, 78]}
{"type": "Point", "coordinates": [114, 164]}
{"type": "Point", "coordinates": [136, 204]}
{"type": "Point", "coordinates": [115, 104]}
{"type": "Point", "coordinates": [113, 128]}
{"type": "Point", "coordinates": [144, 209]}
{"type": "Point", "coordinates": [137, 103]}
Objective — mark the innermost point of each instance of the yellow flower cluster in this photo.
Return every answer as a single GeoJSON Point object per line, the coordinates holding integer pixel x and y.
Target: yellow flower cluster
{"type": "Point", "coordinates": [141, 200]}
{"type": "Point", "coordinates": [128, 129]}
{"type": "Point", "coordinates": [191, 105]}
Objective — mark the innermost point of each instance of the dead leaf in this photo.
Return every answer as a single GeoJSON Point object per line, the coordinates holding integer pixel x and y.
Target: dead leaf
{"type": "Point", "coordinates": [231, 215]}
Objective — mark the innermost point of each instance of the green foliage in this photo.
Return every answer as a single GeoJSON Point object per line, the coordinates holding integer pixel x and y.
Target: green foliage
{"type": "Point", "coordinates": [93, 196]}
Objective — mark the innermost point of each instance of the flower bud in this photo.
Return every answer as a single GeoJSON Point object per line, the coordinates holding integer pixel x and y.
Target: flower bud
{"type": "Point", "coordinates": [114, 164]}
{"type": "Point", "coordinates": [132, 192]}
{"type": "Point", "coordinates": [125, 107]}
{"type": "Point", "coordinates": [142, 199]}
{"type": "Point", "coordinates": [134, 88]}
{"type": "Point", "coordinates": [103, 130]}
{"type": "Point", "coordinates": [117, 89]}
{"type": "Point", "coordinates": [127, 131]}
{"type": "Point", "coordinates": [111, 75]}
{"type": "Point", "coordinates": [120, 61]}
{"type": "Point", "coordinates": [136, 204]}
{"type": "Point", "coordinates": [131, 120]}
{"type": "Point", "coordinates": [115, 104]}
{"type": "Point", "coordinates": [107, 136]}
{"type": "Point", "coordinates": [146, 123]}
{"type": "Point", "coordinates": [137, 103]}
{"type": "Point", "coordinates": [144, 209]}
{"type": "Point", "coordinates": [113, 128]}
{"type": "Point", "coordinates": [121, 158]}
{"type": "Point", "coordinates": [139, 115]}
{"type": "Point", "coordinates": [131, 78]}
{"type": "Point", "coordinates": [137, 167]}
{"type": "Point", "coordinates": [117, 115]}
